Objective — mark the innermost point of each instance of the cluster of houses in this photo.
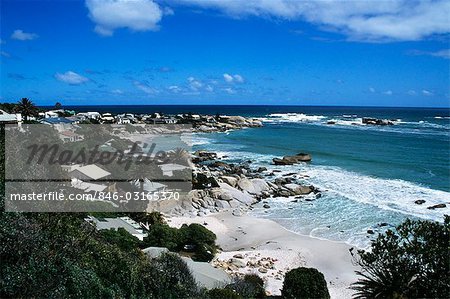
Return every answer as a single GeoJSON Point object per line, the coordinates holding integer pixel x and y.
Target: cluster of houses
{"type": "Point", "coordinates": [70, 116]}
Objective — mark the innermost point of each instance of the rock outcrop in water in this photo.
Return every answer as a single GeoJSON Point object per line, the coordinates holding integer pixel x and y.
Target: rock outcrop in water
{"type": "Point", "coordinates": [377, 121]}
{"type": "Point", "coordinates": [291, 160]}
{"type": "Point", "coordinates": [225, 123]}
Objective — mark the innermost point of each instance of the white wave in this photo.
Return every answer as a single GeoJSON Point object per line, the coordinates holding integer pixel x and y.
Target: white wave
{"type": "Point", "coordinates": [346, 122]}
{"type": "Point", "coordinates": [442, 117]}
{"type": "Point", "coordinates": [387, 194]}
{"type": "Point", "coordinates": [292, 117]}
{"type": "Point", "coordinates": [196, 139]}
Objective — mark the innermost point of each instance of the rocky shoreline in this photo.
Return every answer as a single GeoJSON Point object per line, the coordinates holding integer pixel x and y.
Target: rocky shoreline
{"type": "Point", "coordinates": [222, 123]}
{"type": "Point", "coordinates": [218, 185]}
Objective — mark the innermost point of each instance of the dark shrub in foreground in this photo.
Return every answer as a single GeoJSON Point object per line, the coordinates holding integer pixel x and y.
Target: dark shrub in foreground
{"type": "Point", "coordinates": [52, 255]}
{"type": "Point", "coordinates": [222, 294]}
{"type": "Point", "coordinates": [177, 280]}
{"type": "Point", "coordinates": [199, 237]}
{"type": "Point", "coordinates": [304, 283]}
{"type": "Point", "coordinates": [250, 286]}
{"type": "Point", "coordinates": [410, 262]}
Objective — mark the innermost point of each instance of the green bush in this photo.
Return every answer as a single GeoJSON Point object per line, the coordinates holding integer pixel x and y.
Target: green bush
{"type": "Point", "coordinates": [177, 281]}
{"type": "Point", "coordinates": [410, 262]}
{"type": "Point", "coordinates": [162, 235]}
{"type": "Point", "coordinates": [54, 255]}
{"type": "Point", "coordinates": [304, 283]}
{"type": "Point", "coordinates": [123, 239]}
{"type": "Point", "coordinates": [250, 286]}
{"type": "Point", "coordinates": [203, 240]}
{"type": "Point", "coordinates": [222, 294]}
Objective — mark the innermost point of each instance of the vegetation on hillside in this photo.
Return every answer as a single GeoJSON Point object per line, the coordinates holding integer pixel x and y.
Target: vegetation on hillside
{"type": "Point", "coordinates": [304, 283]}
{"type": "Point", "coordinates": [411, 261]}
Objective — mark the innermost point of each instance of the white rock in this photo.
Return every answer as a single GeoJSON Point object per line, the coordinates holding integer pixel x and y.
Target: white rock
{"type": "Point", "coordinates": [232, 181]}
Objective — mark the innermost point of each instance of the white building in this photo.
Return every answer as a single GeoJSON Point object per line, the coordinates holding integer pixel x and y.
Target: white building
{"type": "Point", "coordinates": [126, 223]}
{"type": "Point", "coordinates": [7, 118]}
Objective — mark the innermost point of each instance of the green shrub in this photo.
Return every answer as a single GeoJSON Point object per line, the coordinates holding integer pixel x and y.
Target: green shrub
{"type": "Point", "coordinates": [197, 234]}
{"type": "Point", "coordinates": [52, 255]}
{"type": "Point", "coordinates": [162, 235]}
{"type": "Point", "coordinates": [177, 281]}
{"type": "Point", "coordinates": [410, 262]}
{"type": "Point", "coordinates": [123, 239]}
{"type": "Point", "coordinates": [222, 294]}
{"type": "Point", "coordinates": [203, 240]}
{"type": "Point", "coordinates": [304, 283]}
{"type": "Point", "coordinates": [250, 286]}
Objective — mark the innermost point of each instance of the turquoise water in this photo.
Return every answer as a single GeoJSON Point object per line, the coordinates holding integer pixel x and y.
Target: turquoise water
{"type": "Point", "coordinates": [369, 174]}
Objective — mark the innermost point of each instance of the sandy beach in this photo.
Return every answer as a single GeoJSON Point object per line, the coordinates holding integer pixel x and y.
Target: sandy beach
{"type": "Point", "coordinates": [256, 239]}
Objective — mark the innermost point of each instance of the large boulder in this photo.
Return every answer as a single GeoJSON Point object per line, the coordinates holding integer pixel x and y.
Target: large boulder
{"type": "Point", "coordinates": [254, 186]}
{"type": "Point", "coordinates": [202, 181]}
{"type": "Point", "coordinates": [290, 160]}
{"type": "Point", "coordinates": [299, 189]}
{"type": "Point", "coordinates": [260, 186]}
{"type": "Point", "coordinates": [302, 157]}
{"type": "Point", "coordinates": [222, 204]}
{"type": "Point", "coordinates": [376, 121]}
{"type": "Point", "coordinates": [238, 195]}
{"type": "Point", "coordinates": [232, 181]}
{"type": "Point", "coordinates": [205, 154]}
{"type": "Point", "coordinates": [278, 161]}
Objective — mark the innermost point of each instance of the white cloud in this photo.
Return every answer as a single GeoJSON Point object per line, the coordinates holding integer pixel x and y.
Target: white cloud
{"type": "Point", "coordinates": [137, 15]}
{"type": "Point", "coordinates": [71, 78]}
{"type": "Point", "coordinates": [209, 88]}
{"type": "Point", "coordinates": [117, 91]}
{"type": "Point", "coordinates": [194, 84]}
{"type": "Point", "coordinates": [442, 53]}
{"type": "Point", "coordinates": [388, 92]}
{"type": "Point", "coordinates": [20, 35]}
{"type": "Point", "coordinates": [174, 88]}
{"type": "Point", "coordinates": [445, 53]}
{"type": "Point", "coordinates": [360, 20]}
{"type": "Point", "coordinates": [145, 87]}
{"type": "Point", "coordinates": [229, 90]}
{"type": "Point", "coordinates": [5, 54]}
{"type": "Point", "coordinates": [228, 78]}
{"type": "Point", "coordinates": [233, 78]}
{"type": "Point", "coordinates": [238, 78]}
{"type": "Point", "coordinates": [412, 92]}
{"type": "Point", "coordinates": [427, 92]}
{"type": "Point", "coordinates": [371, 89]}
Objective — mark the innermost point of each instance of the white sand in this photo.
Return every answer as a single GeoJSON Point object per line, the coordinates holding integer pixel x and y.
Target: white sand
{"type": "Point", "coordinates": [253, 236]}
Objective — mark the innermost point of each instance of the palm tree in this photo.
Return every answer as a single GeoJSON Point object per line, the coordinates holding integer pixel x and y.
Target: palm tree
{"type": "Point", "coordinates": [140, 173]}
{"type": "Point", "coordinates": [26, 108]}
{"type": "Point", "coordinates": [136, 174]}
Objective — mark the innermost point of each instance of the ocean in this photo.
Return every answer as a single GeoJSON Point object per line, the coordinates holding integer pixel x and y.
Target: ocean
{"type": "Point", "coordinates": [370, 175]}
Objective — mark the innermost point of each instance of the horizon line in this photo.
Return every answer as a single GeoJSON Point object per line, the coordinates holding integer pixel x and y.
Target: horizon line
{"type": "Point", "coordinates": [244, 105]}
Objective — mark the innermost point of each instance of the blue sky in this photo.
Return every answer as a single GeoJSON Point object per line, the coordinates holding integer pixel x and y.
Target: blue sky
{"type": "Point", "coordinates": [390, 53]}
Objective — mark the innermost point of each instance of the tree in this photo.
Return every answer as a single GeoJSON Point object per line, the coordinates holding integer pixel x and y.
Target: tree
{"type": "Point", "coordinates": [162, 235]}
{"type": "Point", "coordinates": [26, 108]}
{"type": "Point", "coordinates": [202, 239]}
{"type": "Point", "coordinates": [177, 281]}
{"type": "Point", "coordinates": [123, 239]}
{"type": "Point", "coordinates": [410, 262]}
{"type": "Point", "coordinates": [304, 283]}
{"type": "Point", "coordinates": [53, 255]}
{"type": "Point", "coordinates": [58, 105]}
